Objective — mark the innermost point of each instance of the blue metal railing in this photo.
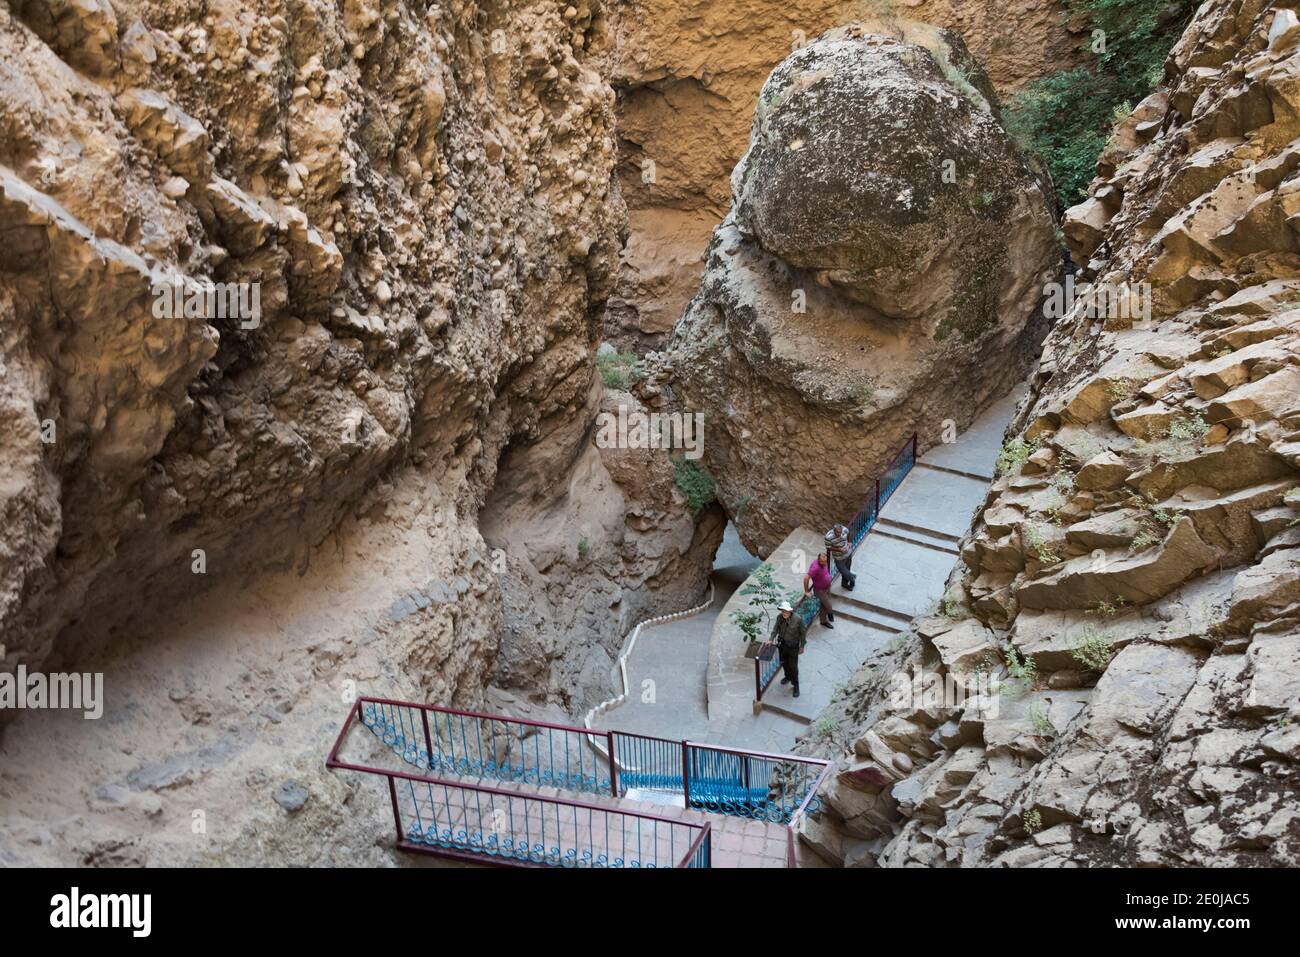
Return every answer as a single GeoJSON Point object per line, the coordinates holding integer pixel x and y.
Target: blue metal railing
{"type": "Point", "coordinates": [647, 764]}
{"type": "Point", "coordinates": [462, 818]}
{"type": "Point", "coordinates": [497, 826]}
{"type": "Point", "coordinates": [863, 522]}
{"type": "Point", "coordinates": [721, 780]}
{"type": "Point", "coordinates": [748, 784]}
{"type": "Point", "coordinates": [466, 744]}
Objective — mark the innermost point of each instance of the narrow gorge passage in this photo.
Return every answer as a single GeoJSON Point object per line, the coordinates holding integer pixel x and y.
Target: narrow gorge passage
{"type": "Point", "coordinates": [416, 414]}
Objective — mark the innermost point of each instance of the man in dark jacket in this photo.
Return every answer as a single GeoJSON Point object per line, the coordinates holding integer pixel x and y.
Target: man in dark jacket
{"type": "Point", "coordinates": [790, 634]}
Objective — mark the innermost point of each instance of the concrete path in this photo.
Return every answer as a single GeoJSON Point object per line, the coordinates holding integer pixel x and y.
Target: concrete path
{"type": "Point", "coordinates": [902, 567]}
{"type": "Point", "coordinates": [690, 680]}
{"type": "Point", "coordinates": [666, 674]}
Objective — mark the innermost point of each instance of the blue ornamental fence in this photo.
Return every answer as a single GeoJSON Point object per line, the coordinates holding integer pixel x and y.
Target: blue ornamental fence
{"type": "Point", "coordinates": [863, 522]}
{"type": "Point", "coordinates": [446, 741]}
{"type": "Point", "coordinates": [493, 825]}
{"type": "Point", "coordinates": [469, 818]}
{"type": "Point", "coordinates": [727, 781]}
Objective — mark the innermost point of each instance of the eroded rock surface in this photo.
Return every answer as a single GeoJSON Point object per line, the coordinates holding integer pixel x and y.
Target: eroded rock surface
{"type": "Point", "coordinates": [879, 274]}
{"type": "Point", "coordinates": [1140, 551]}
{"type": "Point", "coordinates": [688, 73]}
{"type": "Point", "coordinates": [424, 196]}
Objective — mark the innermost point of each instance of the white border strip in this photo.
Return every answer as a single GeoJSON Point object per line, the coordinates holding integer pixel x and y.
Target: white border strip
{"type": "Point", "coordinates": [628, 648]}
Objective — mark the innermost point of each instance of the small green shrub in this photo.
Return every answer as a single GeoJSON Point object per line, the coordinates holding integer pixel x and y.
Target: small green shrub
{"type": "Point", "coordinates": [765, 594]}
{"type": "Point", "coordinates": [1039, 719]}
{"type": "Point", "coordinates": [825, 727]}
{"type": "Point", "coordinates": [618, 370]}
{"type": "Point", "coordinates": [1015, 453]}
{"type": "Point", "coordinates": [1032, 820]}
{"type": "Point", "coordinates": [584, 546]}
{"type": "Point", "coordinates": [1110, 608]}
{"type": "Point", "coordinates": [1038, 545]}
{"type": "Point", "coordinates": [696, 484]}
{"type": "Point", "coordinates": [1143, 541]}
{"type": "Point", "coordinates": [949, 606]}
{"type": "Point", "coordinates": [1021, 673]}
{"type": "Point", "coordinates": [1093, 649]}
{"type": "Point", "coordinates": [750, 624]}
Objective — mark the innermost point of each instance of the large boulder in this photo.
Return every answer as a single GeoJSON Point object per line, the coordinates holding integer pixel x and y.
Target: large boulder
{"type": "Point", "coordinates": [878, 163]}
{"type": "Point", "coordinates": [879, 274]}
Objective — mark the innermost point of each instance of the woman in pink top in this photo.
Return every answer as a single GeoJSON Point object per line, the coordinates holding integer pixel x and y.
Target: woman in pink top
{"type": "Point", "coordinates": [818, 582]}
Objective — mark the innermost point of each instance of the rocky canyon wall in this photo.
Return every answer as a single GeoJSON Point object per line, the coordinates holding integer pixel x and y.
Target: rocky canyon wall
{"type": "Point", "coordinates": [421, 195]}
{"type": "Point", "coordinates": [1132, 578]}
{"type": "Point", "coordinates": [687, 74]}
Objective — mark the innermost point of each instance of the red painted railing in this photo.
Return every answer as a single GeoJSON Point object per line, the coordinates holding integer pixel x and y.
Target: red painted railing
{"type": "Point", "coordinates": [452, 745]}
{"type": "Point", "coordinates": [484, 824]}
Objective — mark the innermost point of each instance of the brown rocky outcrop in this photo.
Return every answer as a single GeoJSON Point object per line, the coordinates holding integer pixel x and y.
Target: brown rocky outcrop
{"type": "Point", "coordinates": [688, 73]}
{"type": "Point", "coordinates": [399, 317]}
{"type": "Point", "coordinates": [237, 513]}
{"type": "Point", "coordinates": [878, 274]}
{"type": "Point", "coordinates": [1132, 575]}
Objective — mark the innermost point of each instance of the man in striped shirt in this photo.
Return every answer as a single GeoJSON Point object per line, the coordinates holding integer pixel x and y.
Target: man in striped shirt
{"type": "Point", "coordinates": [837, 546]}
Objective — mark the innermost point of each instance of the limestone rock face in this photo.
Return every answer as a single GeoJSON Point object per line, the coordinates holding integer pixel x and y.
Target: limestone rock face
{"type": "Point", "coordinates": [1140, 551]}
{"type": "Point", "coordinates": [688, 74]}
{"type": "Point", "coordinates": [359, 165]}
{"type": "Point", "coordinates": [384, 478]}
{"type": "Point", "coordinates": [880, 273]}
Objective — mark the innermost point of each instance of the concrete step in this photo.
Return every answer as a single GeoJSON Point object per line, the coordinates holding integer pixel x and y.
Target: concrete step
{"type": "Point", "coordinates": [867, 618]}
{"type": "Point", "coordinates": [850, 605]}
{"type": "Point", "coordinates": [916, 535]}
{"type": "Point", "coordinates": [922, 464]}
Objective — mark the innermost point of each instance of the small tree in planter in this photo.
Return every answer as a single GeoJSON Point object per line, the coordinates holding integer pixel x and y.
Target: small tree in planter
{"type": "Point", "coordinates": [765, 594]}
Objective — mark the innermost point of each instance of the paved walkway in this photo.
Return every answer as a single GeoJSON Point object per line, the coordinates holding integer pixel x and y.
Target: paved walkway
{"type": "Point", "coordinates": [902, 567]}
{"type": "Point", "coordinates": [667, 669]}
{"type": "Point", "coordinates": [690, 680]}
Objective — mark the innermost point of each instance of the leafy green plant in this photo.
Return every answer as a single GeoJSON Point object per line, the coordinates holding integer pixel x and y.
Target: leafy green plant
{"type": "Point", "coordinates": [696, 484]}
{"type": "Point", "coordinates": [1110, 608]}
{"type": "Point", "coordinates": [618, 370]}
{"type": "Point", "coordinates": [765, 594]}
{"type": "Point", "coordinates": [1032, 820]}
{"type": "Point", "coordinates": [1144, 540]}
{"type": "Point", "coordinates": [1015, 453]}
{"type": "Point", "coordinates": [1021, 673]}
{"type": "Point", "coordinates": [949, 605]}
{"type": "Point", "coordinates": [584, 546]}
{"type": "Point", "coordinates": [1065, 118]}
{"type": "Point", "coordinates": [1038, 545]}
{"type": "Point", "coordinates": [1093, 649]}
{"type": "Point", "coordinates": [750, 624]}
{"type": "Point", "coordinates": [825, 727]}
{"type": "Point", "coordinates": [1038, 718]}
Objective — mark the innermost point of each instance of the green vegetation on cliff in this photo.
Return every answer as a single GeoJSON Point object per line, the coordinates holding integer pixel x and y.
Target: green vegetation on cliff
{"type": "Point", "coordinates": [1065, 118]}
